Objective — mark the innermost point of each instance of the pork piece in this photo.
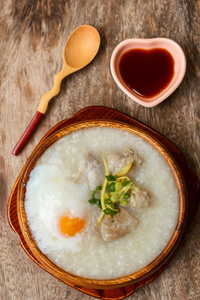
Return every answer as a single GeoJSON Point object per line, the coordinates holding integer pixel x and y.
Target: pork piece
{"type": "Point", "coordinates": [93, 171]}
{"type": "Point", "coordinates": [117, 226]}
{"type": "Point", "coordinates": [117, 161]}
{"type": "Point", "coordinates": [90, 170]}
{"type": "Point", "coordinates": [139, 199]}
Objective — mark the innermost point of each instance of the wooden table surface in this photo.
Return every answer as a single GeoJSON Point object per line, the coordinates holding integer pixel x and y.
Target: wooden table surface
{"type": "Point", "coordinates": [33, 34]}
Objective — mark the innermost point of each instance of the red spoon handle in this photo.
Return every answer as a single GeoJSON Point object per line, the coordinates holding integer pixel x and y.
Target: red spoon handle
{"type": "Point", "coordinates": [27, 133]}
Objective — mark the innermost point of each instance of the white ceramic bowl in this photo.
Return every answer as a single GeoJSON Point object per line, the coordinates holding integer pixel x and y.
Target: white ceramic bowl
{"type": "Point", "coordinates": [167, 44]}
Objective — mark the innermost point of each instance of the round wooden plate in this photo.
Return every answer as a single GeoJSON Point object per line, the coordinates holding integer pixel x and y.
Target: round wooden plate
{"type": "Point", "coordinates": [98, 113]}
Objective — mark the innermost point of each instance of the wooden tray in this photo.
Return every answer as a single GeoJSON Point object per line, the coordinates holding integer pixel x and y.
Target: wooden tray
{"type": "Point", "coordinates": [192, 185]}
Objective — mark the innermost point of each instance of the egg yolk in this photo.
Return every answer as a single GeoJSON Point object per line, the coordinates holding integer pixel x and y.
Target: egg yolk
{"type": "Point", "coordinates": [70, 225]}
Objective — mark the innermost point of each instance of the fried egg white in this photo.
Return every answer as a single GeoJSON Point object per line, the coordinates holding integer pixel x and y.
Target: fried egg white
{"type": "Point", "coordinates": [59, 213]}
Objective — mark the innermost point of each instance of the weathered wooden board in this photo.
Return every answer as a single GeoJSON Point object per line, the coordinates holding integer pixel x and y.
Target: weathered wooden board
{"type": "Point", "coordinates": [33, 34]}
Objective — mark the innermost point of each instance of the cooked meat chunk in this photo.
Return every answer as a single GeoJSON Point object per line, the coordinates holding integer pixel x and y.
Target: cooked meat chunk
{"type": "Point", "coordinates": [117, 161]}
{"type": "Point", "coordinates": [90, 169]}
{"type": "Point", "coordinates": [117, 226]}
{"type": "Point", "coordinates": [139, 199]}
{"type": "Point", "coordinates": [93, 171]}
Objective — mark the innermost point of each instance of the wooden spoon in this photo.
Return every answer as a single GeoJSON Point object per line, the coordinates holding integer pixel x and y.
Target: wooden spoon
{"type": "Point", "coordinates": [80, 49]}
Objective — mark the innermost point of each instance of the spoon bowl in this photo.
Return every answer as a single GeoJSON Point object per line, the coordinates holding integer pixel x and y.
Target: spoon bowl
{"type": "Point", "coordinates": [80, 49]}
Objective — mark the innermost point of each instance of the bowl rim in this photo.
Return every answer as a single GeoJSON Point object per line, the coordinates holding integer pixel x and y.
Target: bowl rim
{"type": "Point", "coordinates": [148, 44]}
{"type": "Point", "coordinates": [59, 273]}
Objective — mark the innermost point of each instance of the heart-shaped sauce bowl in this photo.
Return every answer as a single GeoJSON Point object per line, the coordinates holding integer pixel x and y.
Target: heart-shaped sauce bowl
{"type": "Point", "coordinates": [149, 44]}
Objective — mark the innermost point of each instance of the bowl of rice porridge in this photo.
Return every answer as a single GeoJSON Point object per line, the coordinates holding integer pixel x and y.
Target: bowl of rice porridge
{"type": "Point", "coordinates": [101, 204]}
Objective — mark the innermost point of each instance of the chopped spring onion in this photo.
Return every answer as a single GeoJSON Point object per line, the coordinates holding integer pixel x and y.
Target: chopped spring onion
{"type": "Point", "coordinates": [126, 182]}
{"type": "Point", "coordinates": [92, 201]}
{"type": "Point", "coordinates": [118, 186]}
{"type": "Point", "coordinates": [125, 189]}
{"type": "Point", "coordinates": [98, 188]}
{"type": "Point", "coordinates": [124, 202]}
{"type": "Point", "coordinates": [108, 201]}
{"type": "Point", "coordinates": [94, 194]}
{"type": "Point", "coordinates": [109, 211]}
{"type": "Point", "coordinates": [95, 201]}
{"type": "Point", "coordinates": [111, 187]}
{"type": "Point", "coordinates": [114, 198]}
{"type": "Point", "coordinates": [126, 196]}
{"type": "Point", "coordinates": [111, 178]}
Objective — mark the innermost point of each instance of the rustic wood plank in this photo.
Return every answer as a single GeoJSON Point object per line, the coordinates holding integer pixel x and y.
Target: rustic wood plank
{"type": "Point", "coordinates": [33, 34]}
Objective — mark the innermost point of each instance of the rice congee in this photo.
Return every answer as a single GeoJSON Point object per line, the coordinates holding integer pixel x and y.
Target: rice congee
{"type": "Point", "coordinates": [101, 203]}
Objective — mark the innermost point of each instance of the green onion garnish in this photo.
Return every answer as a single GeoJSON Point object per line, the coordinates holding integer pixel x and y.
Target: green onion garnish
{"type": "Point", "coordinates": [94, 194]}
{"type": "Point", "coordinates": [114, 198]}
{"type": "Point", "coordinates": [111, 187]}
{"type": "Point", "coordinates": [109, 211]}
{"type": "Point", "coordinates": [124, 202]}
{"type": "Point", "coordinates": [126, 196]}
{"type": "Point", "coordinates": [92, 201]}
{"type": "Point", "coordinates": [98, 188]}
{"type": "Point", "coordinates": [95, 201]}
{"type": "Point", "coordinates": [111, 178]}
{"type": "Point", "coordinates": [118, 186]}
{"type": "Point", "coordinates": [126, 182]}
{"type": "Point", "coordinates": [108, 201]}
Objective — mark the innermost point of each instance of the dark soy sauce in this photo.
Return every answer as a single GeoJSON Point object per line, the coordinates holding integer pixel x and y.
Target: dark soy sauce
{"type": "Point", "coordinates": [147, 72]}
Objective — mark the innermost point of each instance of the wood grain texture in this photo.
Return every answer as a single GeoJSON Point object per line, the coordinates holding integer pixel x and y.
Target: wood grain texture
{"type": "Point", "coordinates": [33, 34]}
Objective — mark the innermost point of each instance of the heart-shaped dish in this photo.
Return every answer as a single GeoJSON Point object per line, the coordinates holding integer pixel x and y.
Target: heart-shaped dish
{"type": "Point", "coordinates": [148, 44]}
